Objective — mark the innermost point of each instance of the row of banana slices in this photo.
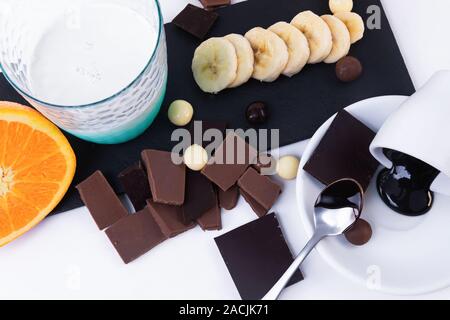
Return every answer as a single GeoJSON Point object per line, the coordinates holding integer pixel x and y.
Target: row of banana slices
{"type": "Point", "coordinates": [284, 48]}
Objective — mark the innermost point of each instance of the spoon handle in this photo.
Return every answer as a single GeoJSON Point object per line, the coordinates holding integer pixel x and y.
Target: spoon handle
{"type": "Point", "coordinates": [283, 281]}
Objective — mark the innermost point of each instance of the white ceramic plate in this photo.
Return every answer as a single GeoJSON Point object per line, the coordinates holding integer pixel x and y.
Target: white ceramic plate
{"type": "Point", "coordinates": [406, 256]}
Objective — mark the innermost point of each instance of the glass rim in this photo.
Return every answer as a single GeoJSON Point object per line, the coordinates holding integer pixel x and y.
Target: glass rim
{"type": "Point", "coordinates": [27, 95]}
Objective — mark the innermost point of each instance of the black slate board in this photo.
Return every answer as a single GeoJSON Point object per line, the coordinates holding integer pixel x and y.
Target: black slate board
{"type": "Point", "coordinates": [299, 105]}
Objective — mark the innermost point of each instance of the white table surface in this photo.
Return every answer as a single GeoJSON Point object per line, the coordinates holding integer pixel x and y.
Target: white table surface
{"type": "Point", "coordinates": [67, 257]}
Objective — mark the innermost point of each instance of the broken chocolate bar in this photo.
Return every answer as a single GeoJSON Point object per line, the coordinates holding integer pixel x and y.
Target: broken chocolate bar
{"type": "Point", "coordinates": [166, 179]}
{"type": "Point", "coordinates": [134, 181]}
{"type": "Point", "coordinates": [228, 199]}
{"type": "Point", "coordinates": [195, 21]}
{"type": "Point", "coordinates": [212, 4]}
{"type": "Point", "coordinates": [101, 200]}
{"type": "Point", "coordinates": [200, 196]}
{"type": "Point", "coordinates": [259, 191]}
{"type": "Point", "coordinates": [256, 256]}
{"type": "Point", "coordinates": [135, 235]}
{"type": "Point", "coordinates": [230, 161]}
{"type": "Point", "coordinates": [344, 152]}
{"type": "Point", "coordinates": [211, 220]}
{"type": "Point", "coordinates": [169, 218]}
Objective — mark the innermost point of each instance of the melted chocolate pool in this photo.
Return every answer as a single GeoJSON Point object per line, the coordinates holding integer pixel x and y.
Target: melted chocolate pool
{"type": "Point", "coordinates": [405, 188]}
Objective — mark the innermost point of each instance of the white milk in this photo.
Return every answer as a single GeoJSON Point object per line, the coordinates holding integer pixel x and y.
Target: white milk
{"type": "Point", "coordinates": [90, 55]}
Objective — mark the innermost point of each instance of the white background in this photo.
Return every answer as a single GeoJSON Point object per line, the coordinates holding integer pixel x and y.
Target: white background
{"type": "Point", "coordinates": [67, 257]}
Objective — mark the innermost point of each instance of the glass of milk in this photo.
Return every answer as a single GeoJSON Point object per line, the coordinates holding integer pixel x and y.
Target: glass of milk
{"type": "Point", "coordinates": [96, 68]}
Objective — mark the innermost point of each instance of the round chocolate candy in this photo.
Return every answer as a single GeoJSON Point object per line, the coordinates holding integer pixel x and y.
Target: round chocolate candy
{"type": "Point", "coordinates": [257, 112]}
{"type": "Point", "coordinates": [180, 112]}
{"type": "Point", "coordinates": [360, 233]}
{"type": "Point", "coordinates": [348, 69]}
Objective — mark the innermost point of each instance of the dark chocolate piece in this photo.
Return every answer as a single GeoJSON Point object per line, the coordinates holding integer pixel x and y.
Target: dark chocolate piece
{"type": "Point", "coordinates": [195, 21]}
{"type": "Point", "coordinates": [261, 189]}
{"type": "Point", "coordinates": [348, 69]}
{"type": "Point", "coordinates": [256, 255]}
{"type": "Point", "coordinates": [101, 200]}
{"type": "Point", "coordinates": [135, 235]}
{"type": "Point", "coordinates": [227, 166]}
{"type": "Point", "coordinates": [166, 179]}
{"type": "Point", "coordinates": [212, 219]}
{"type": "Point", "coordinates": [257, 113]}
{"type": "Point", "coordinates": [198, 129]}
{"type": "Point", "coordinates": [344, 152]}
{"type": "Point", "coordinates": [212, 4]}
{"type": "Point", "coordinates": [200, 196]}
{"type": "Point", "coordinates": [360, 233]}
{"type": "Point", "coordinates": [228, 199]}
{"type": "Point", "coordinates": [169, 218]}
{"type": "Point", "coordinates": [134, 181]}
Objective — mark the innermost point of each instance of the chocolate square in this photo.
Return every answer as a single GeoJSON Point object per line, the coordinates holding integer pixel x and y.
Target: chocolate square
{"type": "Point", "coordinates": [230, 161]}
{"type": "Point", "coordinates": [259, 191]}
{"type": "Point", "coordinates": [135, 235]}
{"type": "Point", "coordinates": [256, 255]}
{"type": "Point", "coordinates": [195, 21]}
{"type": "Point", "coordinates": [200, 196]}
{"type": "Point", "coordinates": [344, 152]}
{"type": "Point", "coordinates": [167, 179]}
{"type": "Point", "coordinates": [101, 200]}
{"type": "Point", "coordinates": [212, 4]}
{"type": "Point", "coordinates": [134, 181]}
{"type": "Point", "coordinates": [169, 218]}
{"type": "Point", "coordinates": [228, 199]}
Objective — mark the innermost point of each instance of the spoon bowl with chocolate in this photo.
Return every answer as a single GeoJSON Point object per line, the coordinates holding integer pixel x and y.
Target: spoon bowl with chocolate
{"type": "Point", "coordinates": [336, 210]}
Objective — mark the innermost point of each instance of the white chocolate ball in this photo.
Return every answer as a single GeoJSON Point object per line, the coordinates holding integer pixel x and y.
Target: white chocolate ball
{"type": "Point", "coordinates": [287, 167]}
{"type": "Point", "coordinates": [180, 112]}
{"type": "Point", "coordinates": [195, 157]}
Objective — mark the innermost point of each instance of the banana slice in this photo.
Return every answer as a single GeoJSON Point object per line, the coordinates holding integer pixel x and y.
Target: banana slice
{"type": "Point", "coordinates": [341, 38]}
{"type": "Point", "coordinates": [245, 59]}
{"type": "Point", "coordinates": [297, 45]}
{"type": "Point", "coordinates": [317, 33]}
{"type": "Point", "coordinates": [214, 65]}
{"type": "Point", "coordinates": [271, 54]}
{"type": "Point", "coordinates": [341, 5]}
{"type": "Point", "coordinates": [354, 23]}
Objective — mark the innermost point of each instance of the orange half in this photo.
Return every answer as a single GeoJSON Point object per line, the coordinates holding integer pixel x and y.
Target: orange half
{"type": "Point", "coordinates": [37, 165]}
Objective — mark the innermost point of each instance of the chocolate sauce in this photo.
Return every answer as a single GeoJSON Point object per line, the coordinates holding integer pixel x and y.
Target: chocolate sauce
{"type": "Point", "coordinates": [405, 188]}
{"type": "Point", "coordinates": [340, 195]}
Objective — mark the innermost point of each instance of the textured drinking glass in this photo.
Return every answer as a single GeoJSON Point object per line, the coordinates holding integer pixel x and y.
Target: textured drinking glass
{"type": "Point", "coordinates": [96, 68]}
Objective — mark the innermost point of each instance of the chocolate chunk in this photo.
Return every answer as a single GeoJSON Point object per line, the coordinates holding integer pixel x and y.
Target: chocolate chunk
{"type": "Point", "coordinates": [212, 219]}
{"type": "Point", "coordinates": [169, 218]}
{"type": "Point", "coordinates": [256, 207]}
{"type": "Point", "coordinates": [212, 4]}
{"type": "Point", "coordinates": [256, 256]}
{"type": "Point", "coordinates": [229, 199]}
{"type": "Point", "coordinates": [259, 191]}
{"type": "Point", "coordinates": [200, 196]}
{"type": "Point", "coordinates": [195, 21]}
{"type": "Point", "coordinates": [257, 113]}
{"type": "Point", "coordinates": [134, 181]}
{"type": "Point", "coordinates": [198, 129]}
{"type": "Point", "coordinates": [135, 235]}
{"type": "Point", "coordinates": [230, 161]}
{"type": "Point", "coordinates": [344, 152]}
{"type": "Point", "coordinates": [348, 69]}
{"type": "Point", "coordinates": [360, 233]}
{"type": "Point", "coordinates": [166, 179]}
{"type": "Point", "coordinates": [101, 200]}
